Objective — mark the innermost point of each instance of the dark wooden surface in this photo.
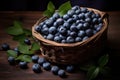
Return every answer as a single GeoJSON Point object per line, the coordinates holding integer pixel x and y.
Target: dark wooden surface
{"type": "Point", "coordinates": [8, 72]}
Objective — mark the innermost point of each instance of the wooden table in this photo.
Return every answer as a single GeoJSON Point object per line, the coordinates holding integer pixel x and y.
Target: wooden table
{"type": "Point", "coordinates": [8, 72]}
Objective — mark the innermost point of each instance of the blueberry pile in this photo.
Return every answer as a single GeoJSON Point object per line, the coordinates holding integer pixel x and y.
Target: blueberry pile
{"type": "Point", "coordinates": [76, 25]}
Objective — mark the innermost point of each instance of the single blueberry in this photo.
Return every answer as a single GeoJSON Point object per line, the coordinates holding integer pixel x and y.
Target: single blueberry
{"type": "Point", "coordinates": [62, 30]}
{"type": "Point", "coordinates": [88, 20]}
{"type": "Point", "coordinates": [62, 36]}
{"type": "Point", "coordinates": [75, 17]}
{"type": "Point", "coordinates": [66, 25]}
{"type": "Point", "coordinates": [75, 8]}
{"type": "Point", "coordinates": [36, 68]}
{"type": "Point", "coordinates": [57, 39]}
{"type": "Point", "coordinates": [84, 38]}
{"type": "Point", "coordinates": [37, 28]}
{"type": "Point", "coordinates": [73, 27]}
{"type": "Point", "coordinates": [27, 41]}
{"type": "Point", "coordinates": [61, 73]}
{"type": "Point", "coordinates": [73, 34]}
{"type": "Point", "coordinates": [81, 16]}
{"type": "Point", "coordinates": [89, 32]}
{"type": "Point", "coordinates": [70, 39]}
{"type": "Point", "coordinates": [45, 31]}
{"type": "Point", "coordinates": [95, 21]}
{"type": "Point", "coordinates": [46, 66]}
{"type": "Point", "coordinates": [55, 70]}
{"type": "Point", "coordinates": [50, 37]}
{"type": "Point", "coordinates": [56, 15]}
{"type": "Point", "coordinates": [17, 51]}
{"type": "Point", "coordinates": [79, 26]}
{"type": "Point", "coordinates": [63, 41]}
{"type": "Point", "coordinates": [11, 60]}
{"type": "Point", "coordinates": [41, 60]}
{"type": "Point", "coordinates": [35, 58]}
{"type": "Point", "coordinates": [52, 30]}
{"type": "Point", "coordinates": [23, 65]}
{"type": "Point", "coordinates": [78, 11]}
{"type": "Point", "coordinates": [5, 47]}
{"type": "Point", "coordinates": [84, 10]}
{"type": "Point", "coordinates": [49, 22]}
{"type": "Point", "coordinates": [65, 17]}
{"type": "Point", "coordinates": [86, 25]}
{"type": "Point", "coordinates": [60, 21]}
{"type": "Point", "coordinates": [78, 39]}
{"type": "Point", "coordinates": [70, 68]}
{"type": "Point", "coordinates": [70, 12]}
{"type": "Point", "coordinates": [81, 33]}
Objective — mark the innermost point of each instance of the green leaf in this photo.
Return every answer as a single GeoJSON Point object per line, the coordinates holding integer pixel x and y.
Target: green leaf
{"type": "Point", "coordinates": [25, 58]}
{"type": "Point", "coordinates": [105, 70]}
{"type": "Point", "coordinates": [48, 13]}
{"type": "Point", "coordinates": [92, 72]}
{"type": "Point", "coordinates": [19, 38]}
{"type": "Point", "coordinates": [64, 8]}
{"type": "Point", "coordinates": [16, 29]}
{"type": "Point", "coordinates": [23, 48]}
{"type": "Point", "coordinates": [11, 53]}
{"type": "Point", "coordinates": [35, 46]}
{"type": "Point", "coordinates": [51, 7]}
{"type": "Point", "coordinates": [86, 67]}
{"type": "Point", "coordinates": [103, 60]}
{"type": "Point", "coordinates": [27, 32]}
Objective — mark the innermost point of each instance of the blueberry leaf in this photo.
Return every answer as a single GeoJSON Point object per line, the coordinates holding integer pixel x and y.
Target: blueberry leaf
{"type": "Point", "coordinates": [93, 72]}
{"type": "Point", "coordinates": [103, 60]}
{"type": "Point", "coordinates": [51, 7]}
{"type": "Point", "coordinates": [35, 46]}
{"type": "Point", "coordinates": [23, 48]}
{"type": "Point", "coordinates": [12, 53]}
{"type": "Point", "coordinates": [64, 8]}
{"type": "Point", "coordinates": [27, 32]}
{"type": "Point", "coordinates": [25, 58]}
{"type": "Point", "coordinates": [47, 13]}
{"type": "Point", "coordinates": [16, 29]}
{"type": "Point", "coordinates": [19, 38]}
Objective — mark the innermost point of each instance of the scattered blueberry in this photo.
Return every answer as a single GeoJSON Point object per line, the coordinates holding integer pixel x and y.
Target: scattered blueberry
{"type": "Point", "coordinates": [55, 70]}
{"type": "Point", "coordinates": [23, 65]}
{"type": "Point", "coordinates": [61, 73]}
{"type": "Point", "coordinates": [41, 60]}
{"type": "Point", "coordinates": [70, 68]}
{"type": "Point", "coordinates": [36, 68]}
{"type": "Point", "coordinates": [11, 60]}
{"type": "Point", "coordinates": [27, 41]}
{"type": "Point", "coordinates": [5, 47]}
{"type": "Point", "coordinates": [46, 66]}
{"type": "Point", "coordinates": [35, 58]}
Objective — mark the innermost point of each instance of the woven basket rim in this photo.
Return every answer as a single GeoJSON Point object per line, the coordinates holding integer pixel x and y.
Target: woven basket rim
{"type": "Point", "coordinates": [53, 43]}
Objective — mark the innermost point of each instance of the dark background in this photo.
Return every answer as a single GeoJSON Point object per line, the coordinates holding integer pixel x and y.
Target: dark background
{"type": "Point", "coordinates": [40, 5]}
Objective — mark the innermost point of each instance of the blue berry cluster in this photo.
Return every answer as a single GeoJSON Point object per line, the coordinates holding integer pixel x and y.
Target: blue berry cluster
{"type": "Point", "coordinates": [76, 25]}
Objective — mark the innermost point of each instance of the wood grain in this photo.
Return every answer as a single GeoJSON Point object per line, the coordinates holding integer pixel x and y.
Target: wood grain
{"type": "Point", "coordinates": [8, 72]}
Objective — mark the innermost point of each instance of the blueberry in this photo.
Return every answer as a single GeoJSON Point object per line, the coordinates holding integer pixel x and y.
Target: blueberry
{"type": "Point", "coordinates": [63, 41]}
{"type": "Point", "coordinates": [49, 22]}
{"type": "Point", "coordinates": [50, 37]}
{"type": "Point", "coordinates": [17, 51]}
{"type": "Point", "coordinates": [88, 20]}
{"type": "Point", "coordinates": [27, 41]}
{"type": "Point", "coordinates": [36, 68]}
{"type": "Point", "coordinates": [45, 31]}
{"type": "Point", "coordinates": [75, 17]}
{"type": "Point", "coordinates": [87, 15]}
{"type": "Point", "coordinates": [73, 34]}
{"type": "Point", "coordinates": [66, 25]}
{"type": "Point", "coordinates": [70, 68]}
{"type": "Point", "coordinates": [55, 24]}
{"type": "Point", "coordinates": [98, 28]}
{"type": "Point", "coordinates": [81, 16]}
{"type": "Point", "coordinates": [37, 28]}
{"type": "Point", "coordinates": [46, 66]}
{"type": "Point", "coordinates": [65, 17]}
{"type": "Point", "coordinates": [62, 37]}
{"type": "Point", "coordinates": [78, 39]}
{"type": "Point", "coordinates": [97, 15]}
{"type": "Point", "coordinates": [56, 15]}
{"type": "Point", "coordinates": [70, 39]}
{"type": "Point", "coordinates": [95, 20]}
{"type": "Point", "coordinates": [55, 70]}
{"type": "Point", "coordinates": [79, 26]}
{"type": "Point", "coordinates": [41, 60]}
{"type": "Point", "coordinates": [75, 8]}
{"type": "Point", "coordinates": [35, 58]}
{"type": "Point", "coordinates": [23, 65]}
{"type": "Point", "coordinates": [70, 20]}
{"type": "Point", "coordinates": [70, 12]}
{"type": "Point", "coordinates": [61, 73]}
{"type": "Point", "coordinates": [73, 27]}
{"type": "Point", "coordinates": [100, 20]}
{"type": "Point", "coordinates": [84, 38]}
{"type": "Point", "coordinates": [86, 25]}
{"type": "Point", "coordinates": [57, 39]}
{"type": "Point", "coordinates": [77, 11]}
{"type": "Point", "coordinates": [84, 10]}
{"type": "Point", "coordinates": [5, 47]}
{"type": "Point", "coordinates": [52, 30]}
{"type": "Point", "coordinates": [60, 21]}
{"type": "Point", "coordinates": [81, 33]}
{"type": "Point", "coordinates": [89, 32]}
{"type": "Point", "coordinates": [62, 30]}
{"type": "Point", "coordinates": [11, 60]}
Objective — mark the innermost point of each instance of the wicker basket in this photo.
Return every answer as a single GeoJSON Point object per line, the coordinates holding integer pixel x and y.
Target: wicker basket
{"type": "Point", "coordinates": [73, 53]}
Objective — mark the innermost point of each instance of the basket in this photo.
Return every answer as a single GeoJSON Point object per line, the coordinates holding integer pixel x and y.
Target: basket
{"type": "Point", "coordinates": [73, 53]}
